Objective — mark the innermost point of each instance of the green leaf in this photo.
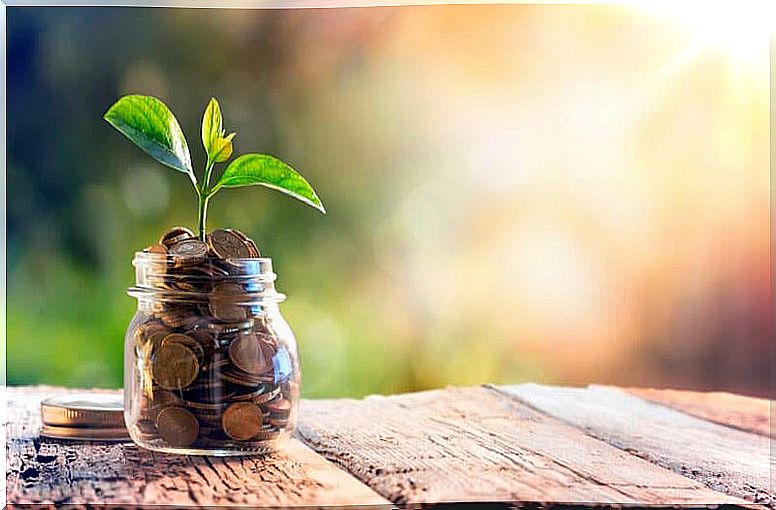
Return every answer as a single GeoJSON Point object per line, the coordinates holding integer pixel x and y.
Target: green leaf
{"type": "Point", "coordinates": [211, 124]}
{"type": "Point", "coordinates": [221, 149]}
{"type": "Point", "coordinates": [265, 170]}
{"type": "Point", "coordinates": [217, 146]}
{"type": "Point", "coordinates": [150, 125]}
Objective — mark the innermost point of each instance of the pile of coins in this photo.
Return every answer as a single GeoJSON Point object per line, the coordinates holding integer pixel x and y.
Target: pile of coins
{"type": "Point", "coordinates": [212, 370]}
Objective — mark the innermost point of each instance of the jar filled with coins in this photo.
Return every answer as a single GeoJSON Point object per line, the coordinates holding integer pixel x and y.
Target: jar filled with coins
{"type": "Point", "coordinates": [210, 364]}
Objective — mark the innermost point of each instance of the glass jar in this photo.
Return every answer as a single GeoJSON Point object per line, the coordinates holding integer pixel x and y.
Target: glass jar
{"type": "Point", "coordinates": [210, 365]}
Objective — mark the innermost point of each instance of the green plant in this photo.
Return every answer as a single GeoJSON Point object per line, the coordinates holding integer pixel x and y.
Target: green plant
{"type": "Point", "coordinates": [150, 125]}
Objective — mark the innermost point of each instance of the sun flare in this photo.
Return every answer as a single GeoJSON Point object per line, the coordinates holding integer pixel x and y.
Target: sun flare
{"type": "Point", "coordinates": [739, 29]}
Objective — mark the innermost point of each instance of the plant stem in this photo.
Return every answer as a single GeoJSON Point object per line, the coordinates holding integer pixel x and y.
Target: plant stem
{"type": "Point", "coordinates": [204, 198]}
{"type": "Point", "coordinates": [204, 195]}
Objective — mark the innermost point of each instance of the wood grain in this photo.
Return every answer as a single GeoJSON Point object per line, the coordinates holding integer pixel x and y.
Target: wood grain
{"type": "Point", "coordinates": [724, 459]}
{"type": "Point", "coordinates": [48, 471]}
{"type": "Point", "coordinates": [475, 444]}
{"type": "Point", "coordinates": [737, 411]}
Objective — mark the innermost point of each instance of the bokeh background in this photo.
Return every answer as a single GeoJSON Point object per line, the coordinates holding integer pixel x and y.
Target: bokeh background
{"type": "Point", "coordinates": [564, 194]}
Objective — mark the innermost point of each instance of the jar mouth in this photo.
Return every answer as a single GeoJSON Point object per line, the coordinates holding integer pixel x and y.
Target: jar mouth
{"type": "Point", "coordinates": [238, 281]}
{"type": "Point", "coordinates": [245, 299]}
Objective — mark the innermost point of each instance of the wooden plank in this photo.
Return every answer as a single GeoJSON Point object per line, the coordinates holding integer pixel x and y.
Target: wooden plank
{"type": "Point", "coordinates": [475, 444]}
{"type": "Point", "coordinates": [48, 471]}
{"type": "Point", "coordinates": [746, 413]}
{"type": "Point", "coordinates": [724, 459]}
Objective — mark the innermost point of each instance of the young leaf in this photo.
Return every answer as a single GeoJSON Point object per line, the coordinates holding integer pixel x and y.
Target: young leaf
{"type": "Point", "coordinates": [217, 146]}
{"type": "Point", "coordinates": [268, 171]}
{"type": "Point", "coordinates": [211, 124]}
{"type": "Point", "coordinates": [222, 149]}
{"type": "Point", "coordinates": [147, 122]}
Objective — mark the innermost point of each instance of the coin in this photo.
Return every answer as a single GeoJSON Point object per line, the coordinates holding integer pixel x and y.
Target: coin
{"type": "Point", "coordinates": [175, 235]}
{"type": "Point", "coordinates": [156, 249]}
{"type": "Point", "coordinates": [213, 268]}
{"type": "Point", "coordinates": [226, 244]}
{"type": "Point", "coordinates": [188, 252]}
{"type": "Point", "coordinates": [158, 400]}
{"type": "Point", "coordinates": [159, 264]}
{"type": "Point", "coordinates": [222, 303]}
{"type": "Point", "coordinates": [148, 338]}
{"type": "Point", "coordinates": [205, 339]}
{"type": "Point", "coordinates": [177, 426]}
{"type": "Point", "coordinates": [186, 341]}
{"type": "Point", "coordinates": [174, 366]}
{"type": "Point", "coordinates": [243, 379]}
{"type": "Point", "coordinates": [277, 422]}
{"type": "Point", "coordinates": [251, 395]}
{"type": "Point", "coordinates": [164, 398]}
{"type": "Point", "coordinates": [241, 421]}
{"type": "Point", "coordinates": [215, 365]}
{"type": "Point", "coordinates": [146, 427]}
{"type": "Point", "coordinates": [267, 435]}
{"type": "Point", "coordinates": [252, 248]}
{"type": "Point", "coordinates": [229, 329]}
{"type": "Point", "coordinates": [149, 332]}
{"type": "Point", "coordinates": [279, 408]}
{"type": "Point", "coordinates": [186, 286]}
{"type": "Point", "coordinates": [207, 406]}
{"type": "Point", "coordinates": [250, 354]}
{"type": "Point", "coordinates": [261, 399]}
{"type": "Point", "coordinates": [174, 316]}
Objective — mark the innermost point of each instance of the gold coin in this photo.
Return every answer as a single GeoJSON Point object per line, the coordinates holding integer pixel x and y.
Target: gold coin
{"type": "Point", "coordinates": [175, 235]}
{"type": "Point", "coordinates": [226, 244]}
{"type": "Point", "coordinates": [177, 426]}
{"type": "Point", "coordinates": [241, 421]}
{"type": "Point", "coordinates": [188, 252]}
{"type": "Point", "coordinates": [174, 366]}
{"type": "Point", "coordinates": [250, 354]}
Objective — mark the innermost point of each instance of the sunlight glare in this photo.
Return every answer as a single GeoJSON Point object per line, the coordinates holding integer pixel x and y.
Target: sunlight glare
{"type": "Point", "coordinates": [740, 29]}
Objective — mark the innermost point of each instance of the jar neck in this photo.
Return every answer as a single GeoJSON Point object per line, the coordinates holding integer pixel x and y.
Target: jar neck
{"type": "Point", "coordinates": [238, 281]}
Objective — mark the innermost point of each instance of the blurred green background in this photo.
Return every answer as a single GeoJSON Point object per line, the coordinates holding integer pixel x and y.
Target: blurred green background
{"type": "Point", "coordinates": [551, 193]}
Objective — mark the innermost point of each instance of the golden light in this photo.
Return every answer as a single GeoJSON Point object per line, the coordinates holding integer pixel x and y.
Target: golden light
{"type": "Point", "coordinates": [740, 29]}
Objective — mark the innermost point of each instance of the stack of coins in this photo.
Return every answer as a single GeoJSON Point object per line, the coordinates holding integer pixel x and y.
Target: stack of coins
{"type": "Point", "coordinates": [213, 370]}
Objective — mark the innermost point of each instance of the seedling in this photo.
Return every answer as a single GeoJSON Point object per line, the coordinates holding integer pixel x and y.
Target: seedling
{"type": "Point", "coordinates": [150, 125]}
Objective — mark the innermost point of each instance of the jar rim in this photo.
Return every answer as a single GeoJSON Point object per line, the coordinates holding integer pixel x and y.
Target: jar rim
{"type": "Point", "coordinates": [251, 272]}
{"type": "Point", "coordinates": [246, 299]}
{"type": "Point", "coordinates": [144, 255]}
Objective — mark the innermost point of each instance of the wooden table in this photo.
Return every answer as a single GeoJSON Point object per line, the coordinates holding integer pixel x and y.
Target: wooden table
{"type": "Point", "coordinates": [528, 443]}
